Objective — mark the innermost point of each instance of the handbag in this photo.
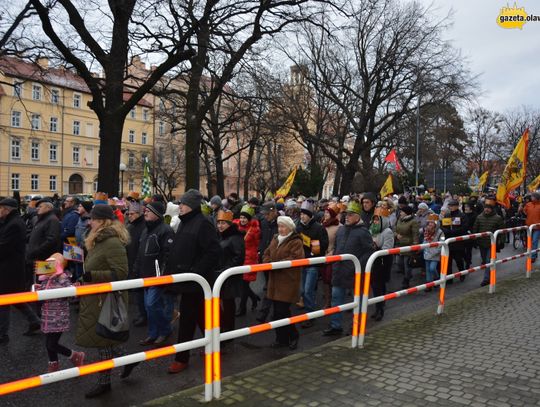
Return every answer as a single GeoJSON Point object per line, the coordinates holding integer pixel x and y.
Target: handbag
{"type": "Point", "coordinates": [416, 260]}
{"type": "Point", "coordinates": [113, 321]}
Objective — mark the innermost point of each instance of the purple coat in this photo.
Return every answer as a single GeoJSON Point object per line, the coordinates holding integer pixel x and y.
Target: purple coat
{"type": "Point", "coordinates": [55, 313]}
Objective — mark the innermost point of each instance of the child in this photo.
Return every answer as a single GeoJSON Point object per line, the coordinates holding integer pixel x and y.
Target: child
{"type": "Point", "coordinates": [55, 313]}
{"type": "Point", "coordinates": [432, 255]}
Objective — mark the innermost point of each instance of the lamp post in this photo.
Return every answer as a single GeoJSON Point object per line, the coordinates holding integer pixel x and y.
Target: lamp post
{"type": "Point", "coordinates": [122, 168]}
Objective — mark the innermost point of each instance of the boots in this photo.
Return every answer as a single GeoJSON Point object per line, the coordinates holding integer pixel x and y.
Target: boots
{"type": "Point", "coordinates": [53, 367]}
{"type": "Point", "coordinates": [77, 358]}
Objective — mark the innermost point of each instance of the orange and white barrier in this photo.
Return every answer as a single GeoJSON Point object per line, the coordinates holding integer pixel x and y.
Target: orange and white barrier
{"type": "Point", "coordinates": [216, 331]}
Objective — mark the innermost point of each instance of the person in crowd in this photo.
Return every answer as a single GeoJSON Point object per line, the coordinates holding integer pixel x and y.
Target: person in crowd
{"type": "Point", "coordinates": [216, 205]}
{"type": "Point", "coordinates": [70, 218]}
{"type": "Point", "coordinates": [487, 221]}
{"type": "Point", "coordinates": [249, 226]}
{"type": "Point", "coordinates": [232, 245]}
{"type": "Point", "coordinates": [331, 224]}
{"type": "Point", "coordinates": [292, 211]}
{"type": "Point", "coordinates": [388, 207]}
{"type": "Point", "coordinates": [30, 216]}
{"type": "Point", "coordinates": [406, 234]}
{"type": "Point", "coordinates": [135, 228]}
{"type": "Point", "coordinates": [383, 239]}
{"type": "Point", "coordinates": [83, 224]}
{"type": "Point", "coordinates": [432, 255]}
{"type": "Point", "coordinates": [154, 245]}
{"type": "Point", "coordinates": [470, 215]}
{"type": "Point", "coordinates": [315, 241]}
{"type": "Point", "coordinates": [354, 238]}
{"type": "Point", "coordinates": [532, 211]}
{"type": "Point", "coordinates": [106, 261]}
{"type": "Point", "coordinates": [421, 216]}
{"type": "Point", "coordinates": [12, 266]}
{"type": "Point", "coordinates": [402, 202]}
{"type": "Point", "coordinates": [55, 313]}
{"type": "Point", "coordinates": [454, 223]}
{"type": "Point", "coordinates": [269, 228]}
{"type": "Point", "coordinates": [235, 204]}
{"type": "Point", "coordinates": [436, 205]}
{"type": "Point", "coordinates": [369, 202]}
{"type": "Point", "coordinates": [195, 249]}
{"type": "Point", "coordinates": [284, 285]}
{"type": "Point", "coordinates": [116, 210]}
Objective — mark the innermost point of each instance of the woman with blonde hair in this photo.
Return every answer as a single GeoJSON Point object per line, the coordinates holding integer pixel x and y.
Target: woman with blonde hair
{"type": "Point", "coordinates": [106, 261]}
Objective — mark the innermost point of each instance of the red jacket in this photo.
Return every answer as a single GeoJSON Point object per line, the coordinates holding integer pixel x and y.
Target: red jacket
{"type": "Point", "coordinates": [252, 236]}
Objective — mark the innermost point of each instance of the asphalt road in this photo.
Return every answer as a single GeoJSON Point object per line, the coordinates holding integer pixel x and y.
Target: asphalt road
{"type": "Point", "coordinates": [26, 356]}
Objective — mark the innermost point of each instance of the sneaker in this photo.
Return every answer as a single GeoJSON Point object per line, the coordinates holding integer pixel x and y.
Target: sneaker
{"type": "Point", "coordinates": [308, 324]}
{"type": "Point", "coordinates": [77, 358]}
{"type": "Point", "coordinates": [332, 331]}
{"type": "Point", "coordinates": [147, 341]}
{"type": "Point", "coordinates": [128, 369]}
{"type": "Point", "coordinates": [33, 328]}
{"type": "Point", "coordinates": [98, 390]}
{"type": "Point", "coordinates": [160, 340]}
{"type": "Point", "coordinates": [177, 367]}
{"type": "Point", "coordinates": [53, 367]}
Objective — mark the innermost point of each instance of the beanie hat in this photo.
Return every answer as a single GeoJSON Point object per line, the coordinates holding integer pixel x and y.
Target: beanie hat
{"type": "Point", "coordinates": [87, 205]}
{"type": "Point", "coordinates": [157, 208]}
{"type": "Point", "coordinates": [369, 196]}
{"type": "Point", "coordinates": [407, 210]}
{"type": "Point", "coordinates": [247, 211]}
{"type": "Point", "coordinates": [12, 203]}
{"type": "Point", "coordinates": [215, 200]}
{"type": "Point", "coordinates": [135, 206]}
{"type": "Point", "coordinates": [286, 221]}
{"type": "Point", "coordinates": [254, 201]}
{"type": "Point", "coordinates": [268, 207]}
{"type": "Point", "coordinates": [225, 216]}
{"type": "Point", "coordinates": [290, 204]}
{"type": "Point", "coordinates": [423, 206]}
{"type": "Point", "coordinates": [307, 208]}
{"type": "Point", "coordinates": [102, 211]}
{"type": "Point", "coordinates": [192, 198]}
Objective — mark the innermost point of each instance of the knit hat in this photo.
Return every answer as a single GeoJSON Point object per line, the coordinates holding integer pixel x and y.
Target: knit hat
{"type": "Point", "coordinates": [254, 201]}
{"type": "Point", "coordinates": [290, 204]}
{"type": "Point", "coordinates": [44, 200]}
{"type": "Point", "coordinates": [268, 207]}
{"type": "Point", "coordinates": [215, 200]}
{"type": "Point", "coordinates": [100, 198]}
{"type": "Point", "coordinates": [453, 202]}
{"type": "Point", "coordinates": [225, 216]}
{"type": "Point", "coordinates": [307, 208]}
{"type": "Point", "coordinates": [192, 198]}
{"type": "Point", "coordinates": [402, 200]}
{"type": "Point", "coordinates": [286, 221]}
{"type": "Point", "coordinates": [10, 202]}
{"type": "Point", "coordinates": [423, 206]}
{"type": "Point", "coordinates": [407, 210]}
{"type": "Point", "coordinates": [87, 205]}
{"type": "Point", "coordinates": [369, 196]}
{"type": "Point", "coordinates": [157, 208]}
{"type": "Point", "coordinates": [136, 207]}
{"type": "Point", "coordinates": [102, 211]}
{"type": "Point", "coordinates": [247, 211]}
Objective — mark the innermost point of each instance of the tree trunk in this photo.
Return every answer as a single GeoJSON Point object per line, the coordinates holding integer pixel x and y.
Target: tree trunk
{"type": "Point", "coordinates": [347, 178]}
{"type": "Point", "coordinates": [337, 181]}
{"type": "Point", "coordinates": [247, 173]}
{"type": "Point", "coordinates": [220, 175]}
{"type": "Point", "coordinates": [110, 134]}
{"type": "Point", "coordinates": [367, 170]}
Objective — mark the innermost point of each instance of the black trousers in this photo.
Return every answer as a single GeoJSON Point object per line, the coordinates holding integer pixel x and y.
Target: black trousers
{"type": "Point", "coordinates": [380, 275]}
{"type": "Point", "coordinates": [247, 292]}
{"type": "Point", "coordinates": [54, 348]}
{"type": "Point", "coordinates": [285, 334]}
{"type": "Point", "coordinates": [459, 257]}
{"type": "Point", "coordinates": [191, 315]}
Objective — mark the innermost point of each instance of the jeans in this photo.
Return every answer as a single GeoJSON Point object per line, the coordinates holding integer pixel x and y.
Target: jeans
{"type": "Point", "coordinates": [432, 270]}
{"type": "Point", "coordinates": [157, 304]}
{"type": "Point", "coordinates": [535, 239]}
{"type": "Point", "coordinates": [485, 253]}
{"type": "Point", "coordinates": [309, 283]}
{"type": "Point", "coordinates": [338, 298]}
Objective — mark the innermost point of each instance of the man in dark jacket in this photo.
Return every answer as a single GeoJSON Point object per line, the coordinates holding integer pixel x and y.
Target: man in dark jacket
{"type": "Point", "coordinates": [454, 223]}
{"type": "Point", "coordinates": [354, 239]}
{"type": "Point", "coordinates": [315, 239]}
{"type": "Point", "coordinates": [70, 217]}
{"type": "Point", "coordinates": [369, 202]}
{"type": "Point", "coordinates": [487, 221]}
{"type": "Point", "coordinates": [135, 228]}
{"type": "Point", "coordinates": [12, 265]}
{"type": "Point", "coordinates": [154, 244]}
{"type": "Point", "coordinates": [195, 249]}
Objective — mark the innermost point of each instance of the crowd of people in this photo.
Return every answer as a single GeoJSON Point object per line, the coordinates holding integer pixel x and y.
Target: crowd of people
{"type": "Point", "coordinates": [136, 238]}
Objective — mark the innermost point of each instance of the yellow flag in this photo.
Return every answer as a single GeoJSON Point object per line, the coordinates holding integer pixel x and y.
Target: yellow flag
{"type": "Point", "coordinates": [514, 172]}
{"type": "Point", "coordinates": [482, 181]}
{"type": "Point", "coordinates": [533, 186]}
{"type": "Point", "coordinates": [388, 187]}
{"type": "Point", "coordinates": [286, 187]}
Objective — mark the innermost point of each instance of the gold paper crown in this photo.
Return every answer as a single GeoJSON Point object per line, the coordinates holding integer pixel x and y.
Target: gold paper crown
{"type": "Point", "coordinates": [226, 216]}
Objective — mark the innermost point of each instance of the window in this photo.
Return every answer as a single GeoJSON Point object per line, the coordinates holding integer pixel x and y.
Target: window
{"type": "Point", "coordinates": [76, 127]}
{"type": "Point", "coordinates": [76, 155]}
{"type": "Point", "coordinates": [144, 138]}
{"type": "Point", "coordinates": [95, 185]}
{"type": "Point", "coordinates": [131, 184]}
{"type": "Point", "coordinates": [15, 119]}
{"type": "Point", "coordinates": [34, 182]}
{"type": "Point", "coordinates": [161, 128]}
{"type": "Point", "coordinates": [131, 160]}
{"type": "Point", "coordinates": [77, 100]}
{"type": "Point", "coordinates": [15, 182]}
{"type": "Point", "coordinates": [145, 115]}
{"type": "Point", "coordinates": [34, 150]}
{"type": "Point", "coordinates": [133, 113]}
{"type": "Point", "coordinates": [36, 121]}
{"type": "Point", "coordinates": [53, 125]}
{"type": "Point", "coordinates": [89, 130]}
{"type": "Point", "coordinates": [53, 152]}
{"type": "Point", "coordinates": [36, 92]}
{"type": "Point", "coordinates": [15, 149]}
{"type": "Point", "coordinates": [52, 182]}
{"type": "Point", "coordinates": [131, 137]}
{"type": "Point", "coordinates": [89, 156]}
{"type": "Point", "coordinates": [17, 89]}
{"type": "Point", "coordinates": [55, 97]}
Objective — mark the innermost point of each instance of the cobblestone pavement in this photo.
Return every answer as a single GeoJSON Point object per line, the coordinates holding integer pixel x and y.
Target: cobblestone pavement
{"type": "Point", "coordinates": [484, 351]}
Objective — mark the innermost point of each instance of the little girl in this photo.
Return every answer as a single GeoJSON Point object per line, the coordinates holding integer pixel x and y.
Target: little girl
{"type": "Point", "coordinates": [432, 255]}
{"type": "Point", "coordinates": [55, 314]}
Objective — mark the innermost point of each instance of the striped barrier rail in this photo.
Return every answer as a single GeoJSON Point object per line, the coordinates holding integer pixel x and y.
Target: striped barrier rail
{"type": "Point", "coordinates": [101, 288]}
{"type": "Point", "coordinates": [507, 259]}
{"type": "Point", "coordinates": [216, 329]}
{"type": "Point", "coordinates": [530, 250]}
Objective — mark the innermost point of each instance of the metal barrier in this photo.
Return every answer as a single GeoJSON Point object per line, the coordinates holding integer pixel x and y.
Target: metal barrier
{"type": "Point", "coordinates": [507, 259]}
{"type": "Point", "coordinates": [36, 381]}
{"type": "Point", "coordinates": [218, 336]}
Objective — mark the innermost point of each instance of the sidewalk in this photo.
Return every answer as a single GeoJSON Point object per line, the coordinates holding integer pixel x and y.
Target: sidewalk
{"type": "Point", "coordinates": [485, 350]}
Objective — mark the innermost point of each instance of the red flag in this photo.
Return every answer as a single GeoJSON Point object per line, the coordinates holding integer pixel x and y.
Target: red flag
{"type": "Point", "coordinates": [392, 158]}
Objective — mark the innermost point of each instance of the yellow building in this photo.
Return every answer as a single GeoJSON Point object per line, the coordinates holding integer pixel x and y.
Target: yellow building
{"type": "Point", "coordinates": [49, 137]}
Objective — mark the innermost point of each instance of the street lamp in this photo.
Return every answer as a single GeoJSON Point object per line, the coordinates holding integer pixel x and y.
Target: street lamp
{"type": "Point", "coordinates": [122, 168]}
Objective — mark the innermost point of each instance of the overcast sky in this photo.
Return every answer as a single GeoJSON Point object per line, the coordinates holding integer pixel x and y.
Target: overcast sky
{"type": "Point", "coordinates": [507, 59]}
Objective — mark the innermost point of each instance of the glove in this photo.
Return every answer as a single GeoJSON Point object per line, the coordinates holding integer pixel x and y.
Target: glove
{"type": "Point", "coordinates": [87, 277]}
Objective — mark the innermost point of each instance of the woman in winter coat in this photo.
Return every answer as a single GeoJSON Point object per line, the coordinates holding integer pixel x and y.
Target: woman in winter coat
{"type": "Point", "coordinates": [232, 255]}
{"type": "Point", "coordinates": [432, 255]}
{"type": "Point", "coordinates": [106, 261]}
{"type": "Point", "coordinates": [284, 285]}
{"type": "Point", "coordinates": [406, 234]}
{"type": "Point", "coordinates": [331, 224]}
{"type": "Point", "coordinates": [383, 239]}
{"type": "Point", "coordinates": [252, 236]}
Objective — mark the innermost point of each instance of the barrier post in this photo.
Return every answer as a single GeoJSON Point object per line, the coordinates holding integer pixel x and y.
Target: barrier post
{"type": "Point", "coordinates": [529, 250]}
{"type": "Point", "coordinates": [216, 357]}
{"type": "Point", "coordinates": [208, 349]}
{"type": "Point", "coordinates": [445, 254]}
{"type": "Point", "coordinates": [365, 297]}
{"type": "Point", "coordinates": [493, 269]}
{"type": "Point", "coordinates": [356, 310]}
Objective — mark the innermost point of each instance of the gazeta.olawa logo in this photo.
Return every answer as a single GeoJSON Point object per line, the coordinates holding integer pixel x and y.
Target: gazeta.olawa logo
{"type": "Point", "coordinates": [514, 17]}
